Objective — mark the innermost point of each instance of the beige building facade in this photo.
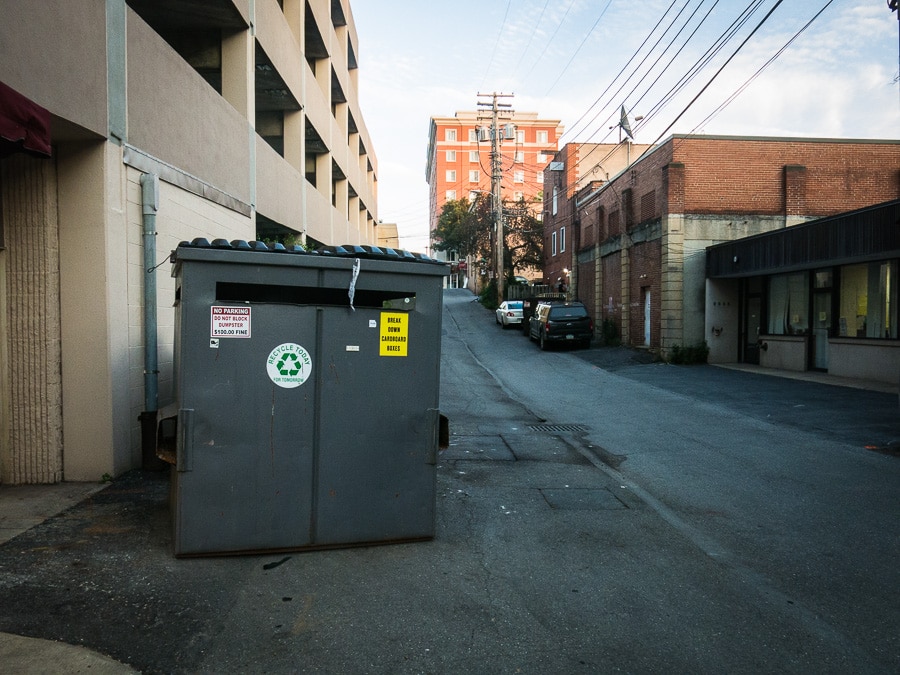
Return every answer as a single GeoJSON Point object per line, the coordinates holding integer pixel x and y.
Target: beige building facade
{"type": "Point", "coordinates": [246, 115]}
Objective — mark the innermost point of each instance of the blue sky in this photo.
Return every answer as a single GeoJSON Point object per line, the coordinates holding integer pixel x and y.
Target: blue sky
{"type": "Point", "coordinates": [579, 61]}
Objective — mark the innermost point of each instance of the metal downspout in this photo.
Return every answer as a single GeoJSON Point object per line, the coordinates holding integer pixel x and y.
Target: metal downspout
{"type": "Point", "coordinates": [149, 207]}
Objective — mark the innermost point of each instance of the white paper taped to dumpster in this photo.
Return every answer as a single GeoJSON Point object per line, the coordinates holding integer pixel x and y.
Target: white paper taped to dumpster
{"type": "Point", "coordinates": [229, 322]}
{"type": "Point", "coordinates": [289, 365]}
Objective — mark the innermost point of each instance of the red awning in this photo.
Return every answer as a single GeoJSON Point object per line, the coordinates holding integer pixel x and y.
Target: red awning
{"type": "Point", "coordinates": [24, 125]}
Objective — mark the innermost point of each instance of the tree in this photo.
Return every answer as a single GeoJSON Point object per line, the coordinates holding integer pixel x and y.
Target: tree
{"type": "Point", "coordinates": [524, 239]}
{"type": "Point", "coordinates": [467, 228]}
{"type": "Point", "coordinates": [461, 228]}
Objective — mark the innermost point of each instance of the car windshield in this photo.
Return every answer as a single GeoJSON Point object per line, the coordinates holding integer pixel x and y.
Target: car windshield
{"type": "Point", "coordinates": [568, 312]}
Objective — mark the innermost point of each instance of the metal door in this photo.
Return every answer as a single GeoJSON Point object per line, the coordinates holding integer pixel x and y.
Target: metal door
{"type": "Point", "coordinates": [821, 330]}
{"type": "Point", "coordinates": [646, 317]}
{"type": "Point", "coordinates": [752, 329]}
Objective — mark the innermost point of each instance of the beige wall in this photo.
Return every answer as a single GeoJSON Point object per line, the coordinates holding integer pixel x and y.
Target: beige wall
{"type": "Point", "coordinates": [92, 272]}
{"type": "Point", "coordinates": [866, 359]}
{"type": "Point", "coordinates": [175, 116]}
{"type": "Point", "coordinates": [31, 419]}
{"type": "Point", "coordinates": [52, 52]}
{"type": "Point", "coordinates": [785, 352]}
{"type": "Point", "coordinates": [216, 173]}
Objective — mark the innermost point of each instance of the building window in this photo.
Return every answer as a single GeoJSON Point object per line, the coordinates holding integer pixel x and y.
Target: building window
{"type": "Point", "coordinates": [553, 244]}
{"type": "Point", "coordinates": [473, 135]}
{"type": "Point", "coordinates": [474, 176]}
{"type": "Point", "coordinates": [868, 300]}
{"type": "Point", "coordinates": [520, 136]}
{"type": "Point", "coordinates": [451, 155]}
{"type": "Point", "coordinates": [542, 158]}
{"type": "Point", "coordinates": [473, 195]}
{"type": "Point", "coordinates": [473, 156]}
{"type": "Point", "coordinates": [539, 177]}
{"type": "Point", "coordinates": [555, 205]}
{"type": "Point", "coordinates": [519, 156]}
{"type": "Point", "coordinates": [518, 196]}
{"type": "Point", "coordinates": [562, 240]}
{"type": "Point", "coordinates": [519, 176]}
{"type": "Point", "coordinates": [789, 304]}
{"type": "Point", "coordinates": [449, 134]}
{"type": "Point", "coordinates": [451, 176]}
{"type": "Point", "coordinates": [451, 195]}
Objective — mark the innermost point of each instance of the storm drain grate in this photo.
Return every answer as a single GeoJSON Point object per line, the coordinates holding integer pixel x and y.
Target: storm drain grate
{"type": "Point", "coordinates": [557, 427]}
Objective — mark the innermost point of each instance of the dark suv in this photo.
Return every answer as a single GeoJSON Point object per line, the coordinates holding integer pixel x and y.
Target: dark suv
{"type": "Point", "coordinates": [561, 322]}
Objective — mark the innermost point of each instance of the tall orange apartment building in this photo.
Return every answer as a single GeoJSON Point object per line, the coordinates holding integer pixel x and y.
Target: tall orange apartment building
{"type": "Point", "coordinates": [459, 157]}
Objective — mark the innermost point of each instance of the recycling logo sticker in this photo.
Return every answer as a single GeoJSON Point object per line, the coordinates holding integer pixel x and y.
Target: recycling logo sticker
{"type": "Point", "coordinates": [289, 365]}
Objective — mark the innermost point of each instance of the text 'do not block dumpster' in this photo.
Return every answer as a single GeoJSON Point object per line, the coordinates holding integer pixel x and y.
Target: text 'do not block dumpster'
{"type": "Point", "coordinates": [307, 393]}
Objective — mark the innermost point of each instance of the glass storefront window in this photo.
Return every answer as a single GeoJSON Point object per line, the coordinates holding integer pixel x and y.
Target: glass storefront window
{"type": "Point", "coordinates": [823, 278]}
{"type": "Point", "coordinates": [788, 304]}
{"type": "Point", "coordinates": [868, 300]}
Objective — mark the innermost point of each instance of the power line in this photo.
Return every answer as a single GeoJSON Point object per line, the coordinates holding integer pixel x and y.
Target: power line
{"type": "Point", "coordinates": [718, 72]}
{"type": "Point", "coordinates": [575, 53]}
{"type": "Point", "coordinates": [497, 42]}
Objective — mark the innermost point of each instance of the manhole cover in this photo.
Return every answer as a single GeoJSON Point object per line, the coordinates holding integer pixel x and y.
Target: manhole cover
{"type": "Point", "coordinates": [557, 427]}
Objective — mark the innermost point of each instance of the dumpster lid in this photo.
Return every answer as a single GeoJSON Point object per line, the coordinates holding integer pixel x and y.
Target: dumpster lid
{"type": "Point", "coordinates": [342, 251]}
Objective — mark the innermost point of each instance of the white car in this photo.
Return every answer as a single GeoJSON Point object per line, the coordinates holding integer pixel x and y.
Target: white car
{"type": "Point", "coordinates": [509, 313]}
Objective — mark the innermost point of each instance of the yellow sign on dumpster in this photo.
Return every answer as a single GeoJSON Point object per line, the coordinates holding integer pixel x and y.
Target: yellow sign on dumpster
{"type": "Point", "coordinates": [393, 334]}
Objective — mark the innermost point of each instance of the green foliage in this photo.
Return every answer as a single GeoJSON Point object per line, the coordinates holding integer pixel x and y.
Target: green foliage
{"type": "Point", "coordinates": [467, 228]}
{"type": "Point", "coordinates": [488, 296]}
{"type": "Point", "coordinates": [288, 239]}
{"type": "Point", "coordinates": [524, 240]}
{"type": "Point", "coordinates": [461, 228]}
{"type": "Point", "coordinates": [690, 354]}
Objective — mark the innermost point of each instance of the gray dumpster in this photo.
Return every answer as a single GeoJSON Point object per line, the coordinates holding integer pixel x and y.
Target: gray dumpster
{"type": "Point", "coordinates": [307, 385]}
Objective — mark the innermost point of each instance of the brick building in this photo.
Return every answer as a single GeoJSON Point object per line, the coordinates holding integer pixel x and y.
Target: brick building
{"type": "Point", "coordinates": [577, 167]}
{"type": "Point", "coordinates": [642, 236]}
{"type": "Point", "coordinates": [459, 164]}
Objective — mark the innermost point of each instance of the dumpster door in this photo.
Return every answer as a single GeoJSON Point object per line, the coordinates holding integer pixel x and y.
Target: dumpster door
{"type": "Point", "coordinates": [246, 465]}
{"type": "Point", "coordinates": [378, 427]}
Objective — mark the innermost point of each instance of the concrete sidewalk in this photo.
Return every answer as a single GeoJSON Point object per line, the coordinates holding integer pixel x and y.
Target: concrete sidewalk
{"type": "Point", "coordinates": [21, 508]}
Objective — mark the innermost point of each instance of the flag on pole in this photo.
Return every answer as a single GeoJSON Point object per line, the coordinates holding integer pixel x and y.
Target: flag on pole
{"type": "Point", "coordinates": [623, 122]}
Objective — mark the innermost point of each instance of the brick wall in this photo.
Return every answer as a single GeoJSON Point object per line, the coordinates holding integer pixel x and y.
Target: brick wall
{"type": "Point", "coordinates": [722, 187]}
{"type": "Point", "coordinates": [748, 175]}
